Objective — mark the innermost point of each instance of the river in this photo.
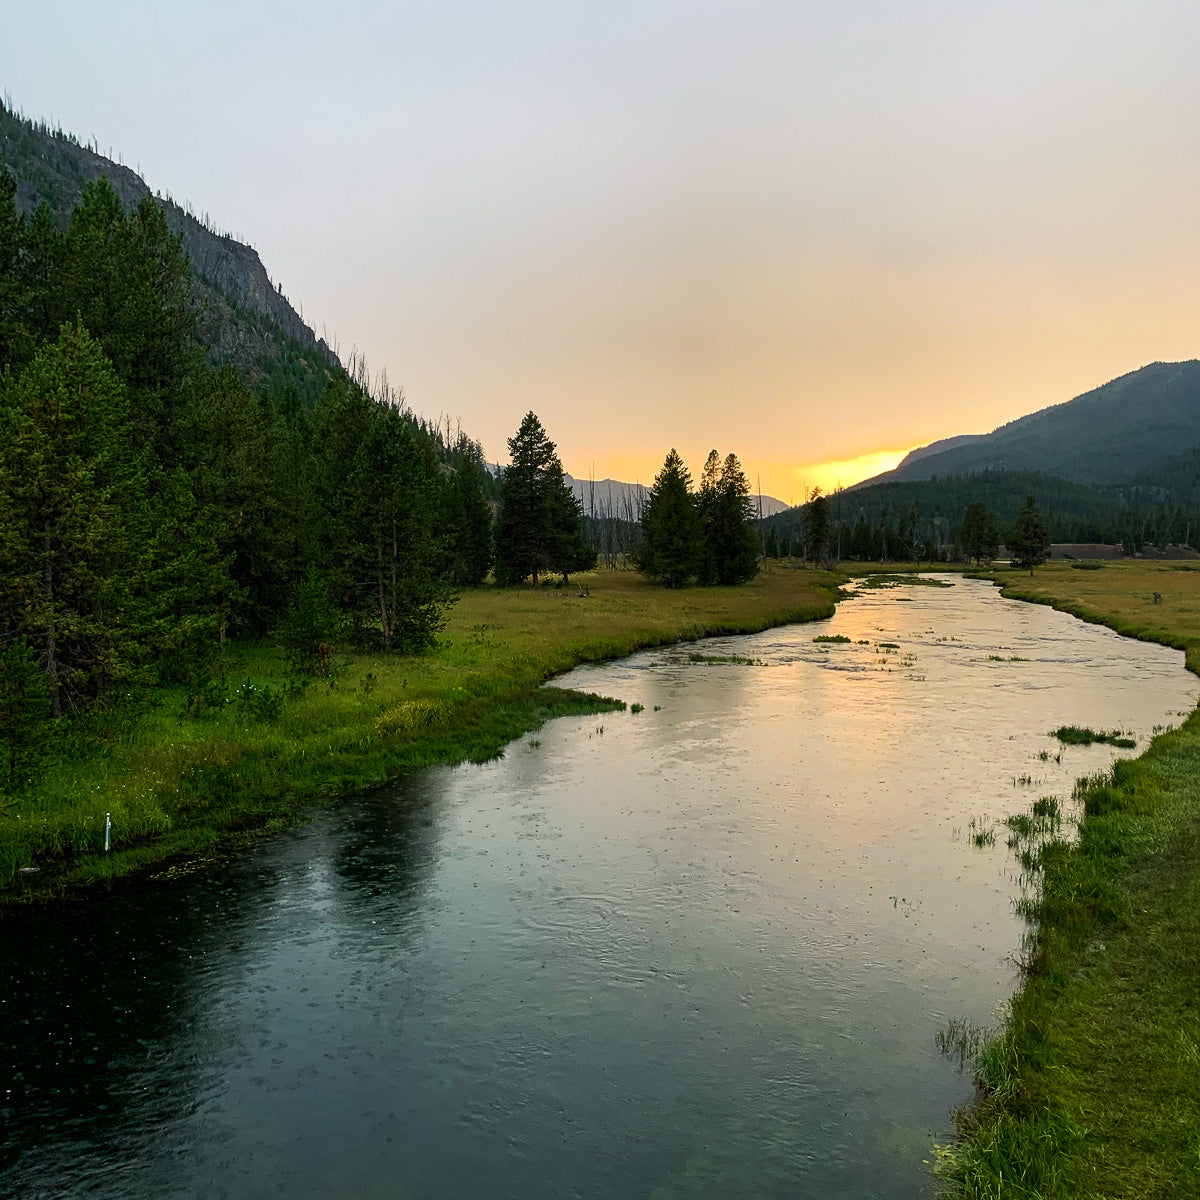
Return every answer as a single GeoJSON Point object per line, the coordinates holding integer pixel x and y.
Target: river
{"type": "Point", "coordinates": [702, 950]}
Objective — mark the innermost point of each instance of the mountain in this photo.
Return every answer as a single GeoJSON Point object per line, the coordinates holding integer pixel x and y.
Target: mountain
{"type": "Point", "coordinates": [950, 443]}
{"type": "Point", "coordinates": [611, 497]}
{"type": "Point", "coordinates": [244, 318]}
{"type": "Point", "coordinates": [1113, 434]}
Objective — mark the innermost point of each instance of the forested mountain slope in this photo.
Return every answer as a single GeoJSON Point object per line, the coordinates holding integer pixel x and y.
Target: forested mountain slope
{"type": "Point", "coordinates": [242, 317]}
{"type": "Point", "coordinates": [1111, 435]}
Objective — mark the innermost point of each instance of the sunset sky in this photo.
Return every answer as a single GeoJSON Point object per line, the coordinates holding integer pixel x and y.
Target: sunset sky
{"type": "Point", "coordinates": [816, 235]}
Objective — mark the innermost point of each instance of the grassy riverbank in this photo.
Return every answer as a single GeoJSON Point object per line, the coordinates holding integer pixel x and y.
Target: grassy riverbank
{"type": "Point", "coordinates": [181, 787]}
{"type": "Point", "coordinates": [1093, 1087]}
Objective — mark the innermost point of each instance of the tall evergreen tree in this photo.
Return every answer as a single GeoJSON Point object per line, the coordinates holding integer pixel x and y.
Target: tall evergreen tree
{"type": "Point", "coordinates": [672, 546]}
{"type": "Point", "coordinates": [816, 527]}
{"type": "Point", "coordinates": [15, 337]}
{"type": "Point", "coordinates": [469, 524]}
{"type": "Point", "coordinates": [708, 500]}
{"type": "Point", "coordinates": [539, 525]}
{"type": "Point", "coordinates": [731, 530]}
{"type": "Point", "coordinates": [224, 434]}
{"type": "Point", "coordinates": [569, 550]}
{"type": "Point", "coordinates": [980, 533]}
{"type": "Point", "coordinates": [126, 277]}
{"type": "Point", "coordinates": [390, 566]}
{"type": "Point", "coordinates": [181, 594]}
{"type": "Point", "coordinates": [69, 494]}
{"type": "Point", "coordinates": [1030, 540]}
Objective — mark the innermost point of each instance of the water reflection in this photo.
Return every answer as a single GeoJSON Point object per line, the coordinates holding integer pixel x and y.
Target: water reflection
{"type": "Point", "coordinates": [702, 951]}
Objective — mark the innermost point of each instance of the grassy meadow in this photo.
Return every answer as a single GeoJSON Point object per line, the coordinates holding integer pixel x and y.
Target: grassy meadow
{"type": "Point", "coordinates": [183, 786]}
{"type": "Point", "coordinates": [1092, 1088]}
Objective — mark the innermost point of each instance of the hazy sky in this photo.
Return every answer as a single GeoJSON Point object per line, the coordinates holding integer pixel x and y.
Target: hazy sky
{"type": "Point", "coordinates": [800, 232]}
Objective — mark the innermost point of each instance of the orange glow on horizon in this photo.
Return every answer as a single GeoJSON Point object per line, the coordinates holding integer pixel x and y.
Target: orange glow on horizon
{"type": "Point", "coordinates": [783, 480]}
{"type": "Point", "coordinates": [845, 472]}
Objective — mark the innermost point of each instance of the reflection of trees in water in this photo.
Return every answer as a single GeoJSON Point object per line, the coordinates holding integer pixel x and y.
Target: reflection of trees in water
{"type": "Point", "coordinates": [102, 996]}
{"type": "Point", "coordinates": [96, 992]}
{"type": "Point", "coordinates": [386, 844]}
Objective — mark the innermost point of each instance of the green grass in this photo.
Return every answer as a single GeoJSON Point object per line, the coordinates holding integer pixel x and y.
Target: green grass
{"type": "Point", "coordinates": [893, 579]}
{"type": "Point", "coordinates": [1091, 1088]}
{"type": "Point", "coordinates": [182, 788]}
{"type": "Point", "coordinates": [1080, 735]}
{"type": "Point", "coordinates": [832, 638]}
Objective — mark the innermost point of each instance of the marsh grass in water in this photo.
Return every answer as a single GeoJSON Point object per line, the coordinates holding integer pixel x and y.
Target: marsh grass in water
{"type": "Point", "coordinates": [1089, 1090]}
{"type": "Point", "coordinates": [832, 638]}
{"type": "Point", "coordinates": [894, 579]}
{"type": "Point", "coordinates": [722, 659]}
{"type": "Point", "coordinates": [961, 1041]}
{"type": "Point", "coordinates": [1078, 735]}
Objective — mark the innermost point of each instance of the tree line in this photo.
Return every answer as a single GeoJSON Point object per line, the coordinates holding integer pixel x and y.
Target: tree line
{"type": "Point", "coordinates": [818, 532]}
{"type": "Point", "coordinates": [151, 505]}
{"type": "Point", "coordinates": [925, 519]}
{"type": "Point", "coordinates": [704, 536]}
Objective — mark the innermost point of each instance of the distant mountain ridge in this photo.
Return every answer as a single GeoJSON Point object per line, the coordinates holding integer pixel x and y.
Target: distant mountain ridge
{"type": "Point", "coordinates": [611, 496]}
{"type": "Point", "coordinates": [243, 317]}
{"type": "Point", "coordinates": [1112, 434]}
{"type": "Point", "coordinates": [950, 443]}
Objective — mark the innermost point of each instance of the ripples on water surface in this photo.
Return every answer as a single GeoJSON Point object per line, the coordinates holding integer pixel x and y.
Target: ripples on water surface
{"type": "Point", "coordinates": [696, 952]}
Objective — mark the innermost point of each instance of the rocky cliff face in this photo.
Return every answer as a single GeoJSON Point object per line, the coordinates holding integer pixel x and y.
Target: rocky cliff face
{"type": "Point", "coordinates": [242, 316]}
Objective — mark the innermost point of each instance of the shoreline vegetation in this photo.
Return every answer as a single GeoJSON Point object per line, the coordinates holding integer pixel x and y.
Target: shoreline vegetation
{"type": "Point", "coordinates": [1088, 1090]}
{"type": "Point", "coordinates": [187, 786]}
{"type": "Point", "coordinates": [1091, 1087]}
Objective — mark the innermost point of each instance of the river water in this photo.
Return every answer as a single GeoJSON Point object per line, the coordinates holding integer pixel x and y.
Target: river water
{"type": "Point", "coordinates": [703, 950]}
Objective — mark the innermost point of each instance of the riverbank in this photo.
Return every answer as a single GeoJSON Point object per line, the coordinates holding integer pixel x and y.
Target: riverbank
{"type": "Point", "coordinates": [184, 787]}
{"type": "Point", "coordinates": [1092, 1088]}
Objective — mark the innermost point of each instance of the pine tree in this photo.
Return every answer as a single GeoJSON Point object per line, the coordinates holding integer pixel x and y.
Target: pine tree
{"type": "Point", "coordinates": [339, 549]}
{"type": "Point", "coordinates": [672, 539]}
{"type": "Point", "coordinates": [70, 491]}
{"type": "Point", "coordinates": [708, 500]}
{"type": "Point", "coordinates": [568, 549]}
{"type": "Point", "coordinates": [15, 338]}
{"type": "Point", "coordinates": [731, 533]}
{"type": "Point", "coordinates": [530, 523]}
{"type": "Point", "coordinates": [125, 276]}
{"type": "Point", "coordinates": [397, 591]}
{"type": "Point", "coordinates": [980, 533]}
{"type": "Point", "coordinates": [816, 527]}
{"type": "Point", "coordinates": [181, 593]}
{"type": "Point", "coordinates": [469, 525]}
{"type": "Point", "coordinates": [1030, 540]}
{"type": "Point", "coordinates": [311, 621]}
{"type": "Point", "coordinates": [40, 281]}
{"type": "Point", "coordinates": [225, 438]}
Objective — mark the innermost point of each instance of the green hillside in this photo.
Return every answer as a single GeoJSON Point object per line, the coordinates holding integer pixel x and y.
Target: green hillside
{"type": "Point", "coordinates": [1110, 435]}
{"type": "Point", "coordinates": [242, 316]}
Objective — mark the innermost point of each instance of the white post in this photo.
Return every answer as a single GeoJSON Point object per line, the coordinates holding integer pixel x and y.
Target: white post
{"type": "Point", "coordinates": [107, 830]}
